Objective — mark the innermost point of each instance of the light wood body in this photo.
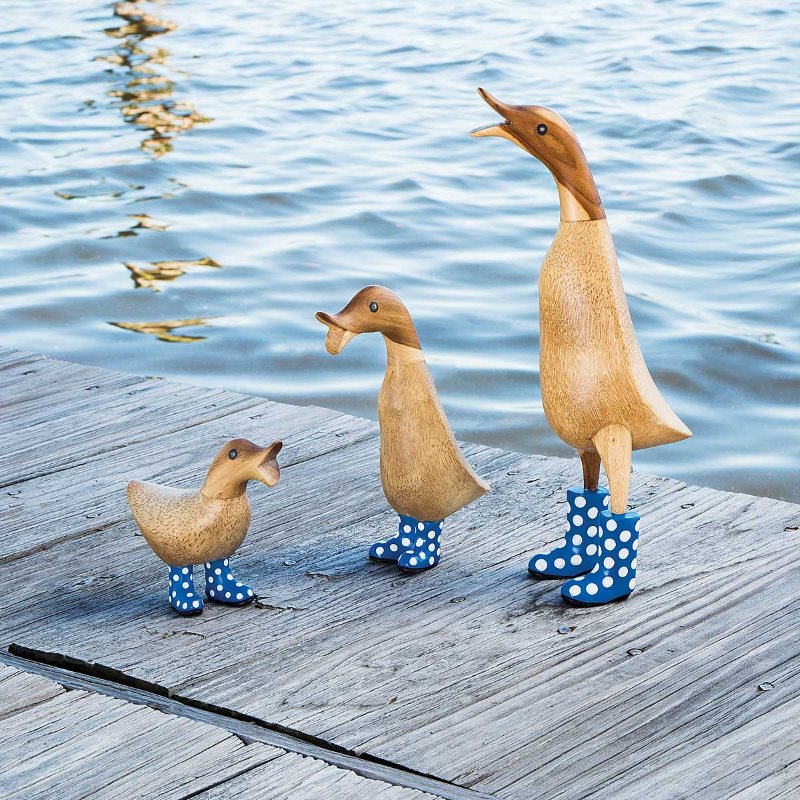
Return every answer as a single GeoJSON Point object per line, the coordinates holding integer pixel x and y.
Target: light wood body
{"type": "Point", "coordinates": [423, 471]}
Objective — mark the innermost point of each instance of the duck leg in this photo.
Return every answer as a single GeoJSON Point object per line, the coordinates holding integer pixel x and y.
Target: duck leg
{"type": "Point", "coordinates": [182, 595]}
{"type": "Point", "coordinates": [614, 576]}
{"type": "Point", "coordinates": [222, 587]}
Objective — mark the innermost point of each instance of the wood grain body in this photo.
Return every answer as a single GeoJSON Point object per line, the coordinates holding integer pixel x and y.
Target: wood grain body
{"type": "Point", "coordinates": [592, 370]}
{"type": "Point", "coordinates": [185, 527]}
{"type": "Point", "coordinates": [423, 472]}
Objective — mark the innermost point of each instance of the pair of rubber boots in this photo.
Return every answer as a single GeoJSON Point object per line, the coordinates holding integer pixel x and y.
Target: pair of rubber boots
{"type": "Point", "coordinates": [598, 552]}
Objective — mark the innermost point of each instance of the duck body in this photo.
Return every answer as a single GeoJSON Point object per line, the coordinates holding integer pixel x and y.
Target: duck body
{"type": "Point", "coordinates": [592, 370]}
{"type": "Point", "coordinates": [423, 471]}
{"type": "Point", "coordinates": [185, 527]}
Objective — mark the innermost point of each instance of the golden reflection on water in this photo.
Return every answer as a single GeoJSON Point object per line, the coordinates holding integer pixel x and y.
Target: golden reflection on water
{"type": "Point", "coordinates": [162, 271]}
{"type": "Point", "coordinates": [163, 330]}
{"type": "Point", "coordinates": [145, 95]}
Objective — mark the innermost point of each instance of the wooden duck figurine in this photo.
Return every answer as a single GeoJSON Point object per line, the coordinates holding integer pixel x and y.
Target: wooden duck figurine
{"type": "Point", "coordinates": [424, 474]}
{"type": "Point", "coordinates": [597, 393]}
{"type": "Point", "coordinates": [186, 527]}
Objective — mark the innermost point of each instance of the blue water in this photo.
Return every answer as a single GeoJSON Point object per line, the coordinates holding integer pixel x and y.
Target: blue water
{"type": "Point", "coordinates": [296, 151]}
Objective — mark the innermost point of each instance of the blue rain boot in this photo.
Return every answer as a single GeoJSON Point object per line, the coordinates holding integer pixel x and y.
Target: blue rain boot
{"type": "Point", "coordinates": [393, 548]}
{"type": "Point", "coordinates": [579, 551]}
{"type": "Point", "coordinates": [182, 595]}
{"type": "Point", "coordinates": [222, 587]}
{"type": "Point", "coordinates": [425, 547]}
{"type": "Point", "coordinates": [614, 577]}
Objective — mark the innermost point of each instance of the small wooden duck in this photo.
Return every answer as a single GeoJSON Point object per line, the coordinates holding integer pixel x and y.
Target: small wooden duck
{"type": "Point", "coordinates": [186, 527]}
{"type": "Point", "coordinates": [424, 474]}
{"type": "Point", "coordinates": [597, 393]}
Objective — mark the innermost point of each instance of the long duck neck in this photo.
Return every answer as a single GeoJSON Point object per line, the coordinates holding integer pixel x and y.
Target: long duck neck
{"type": "Point", "coordinates": [398, 355]}
{"type": "Point", "coordinates": [577, 191]}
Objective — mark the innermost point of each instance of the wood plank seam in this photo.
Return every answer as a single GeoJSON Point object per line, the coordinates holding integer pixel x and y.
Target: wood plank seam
{"type": "Point", "coordinates": [94, 677]}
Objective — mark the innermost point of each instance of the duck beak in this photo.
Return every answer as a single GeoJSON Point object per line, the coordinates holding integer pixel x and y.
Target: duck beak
{"type": "Point", "coordinates": [269, 472]}
{"type": "Point", "coordinates": [338, 336]}
{"type": "Point", "coordinates": [503, 129]}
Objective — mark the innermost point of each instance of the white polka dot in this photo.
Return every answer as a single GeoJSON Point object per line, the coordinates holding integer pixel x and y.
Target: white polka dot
{"type": "Point", "coordinates": [405, 542]}
{"type": "Point", "coordinates": [635, 545]}
{"type": "Point", "coordinates": [577, 539]}
{"type": "Point", "coordinates": [608, 562]}
{"type": "Point", "coordinates": [592, 531]}
{"type": "Point", "coordinates": [608, 581]}
{"type": "Point", "coordinates": [218, 571]}
{"type": "Point", "coordinates": [379, 551]}
{"type": "Point", "coordinates": [595, 568]}
{"type": "Point", "coordinates": [573, 590]}
{"type": "Point", "coordinates": [240, 596]}
{"type": "Point", "coordinates": [431, 547]}
{"type": "Point", "coordinates": [420, 526]}
{"type": "Point", "coordinates": [431, 534]}
{"type": "Point", "coordinates": [636, 526]}
{"type": "Point", "coordinates": [559, 563]}
{"type": "Point", "coordinates": [625, 536]}
{"type": "Point", "coordinates": [581, 578]}
{"type": "Point", "coordinates": [195, 604]}
{"type": "Point", "coordinates": [591, 588]}
{"type": "Point", "coordinates": [580, 502]}
{"type": "Point", "coordinates": [249, 592]}
{"type": "Point", "coordinates": [225, 562]}
{"type": "Point", "coordinates": [412, 561]}
{"type": "Point", "coordinates": [406, 529]}
{"type": "Point", "coordinates": [239, 584]}
{"type": "Point", "coordinates": [185, 570]}
{"type": "Point", "coordinates": [185, 585]}
{"type": "Point", "coordinates": [609, 544]}
{"type": "Point", "coordinates": [229, 577]}
{"type": "Point", "coordinates": [176, 578]}
{"type": "Point", "coordinates": [577, 520]}
{"type": "Point", "coordinates": [632, 583]}
{"type": "Point", "coordinates": [219, 587]}
{"type": "Point", "coordinates": [174, 593]}
{"type": "Point", "coordinates": [190, 594]}
{"type": "Point", "coordinates": [227, 594]}
{"type": "Point", "coordinates": [623, 571]}
{"type": "Point", "coordinates": [591, 549]}
{"type": "Point", "coordinates": [420, 542]}
{"type": "Point", "coordinates": [431, 560]}
{"type": "Point", "coordinates": [393, 547]}
{"type": "Point", "coordinates": [605, 500]}
{"type": "Point", "coordinates": [208, 566]}
{"type": "Point", "coordinates": [184, 605]}
{"type": "Point", "coordinates": [561, 543]}
{"type": "Point", "coordinates": [540, 565]}
{"type": "Point", "coordinates": [592, 513]}
{"type": "Point", "coordinates": [634, 562]}
{"type": "Point", "coordinates": [624, 553]}
{"type": "Point", "coordinates": [422, 555]}
{"type": "Point", "coordinates": [438, 551]}
{"type": "Point", "coordinates": [212, 592]}
{"type": "Point", "coordinates": [576, 559]}
{"type": "Point", "coordinates": [210, 579]}
{"type": "Point", "coordinates": [611, 524]}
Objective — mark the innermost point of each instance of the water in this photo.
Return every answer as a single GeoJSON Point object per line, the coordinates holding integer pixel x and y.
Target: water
{"type": "Point", "coordinates": [279, 156]}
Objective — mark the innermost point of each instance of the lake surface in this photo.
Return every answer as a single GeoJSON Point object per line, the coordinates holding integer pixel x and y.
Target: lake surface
{"type": "Point", "coordinates": [184, 189]}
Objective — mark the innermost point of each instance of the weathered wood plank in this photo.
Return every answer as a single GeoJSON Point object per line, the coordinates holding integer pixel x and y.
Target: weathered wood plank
{"type": "Point", "coordinates": [459, 673]}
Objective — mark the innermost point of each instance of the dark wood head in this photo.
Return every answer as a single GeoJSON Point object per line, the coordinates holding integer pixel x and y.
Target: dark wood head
{"type": "Point", "coordinates": [546, 136]}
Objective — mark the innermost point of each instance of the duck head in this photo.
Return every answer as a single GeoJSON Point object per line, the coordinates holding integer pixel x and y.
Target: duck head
{"type": "Point", "coordinates": [238, 462]}
{"type": "Point", "coordinates": [547, 137]}
{"type": "Point", "coordinates": [375, 309]}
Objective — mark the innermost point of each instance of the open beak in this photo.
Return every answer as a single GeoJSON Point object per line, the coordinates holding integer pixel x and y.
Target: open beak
{"type": "Point", "coordinates": [338, 336]}
{"type": "Point", "coordinates": [503, 129]}
{"type": "Point", "coordinates": [268, 469]}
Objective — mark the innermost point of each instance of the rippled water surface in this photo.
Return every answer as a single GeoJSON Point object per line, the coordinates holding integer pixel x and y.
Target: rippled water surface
{"type": "Point", "coordinates": [187, 182]}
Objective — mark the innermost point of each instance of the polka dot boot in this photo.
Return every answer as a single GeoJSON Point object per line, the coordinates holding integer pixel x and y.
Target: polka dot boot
{"type": "Point", "coordinates": [183, 597]}
{"type": "Point", "coordinates": [614, 577]}
{"type": "Point", "coordinates": [222, 587]}
{"type": "Point", "coordinates": [579, 551]}
{"type": "Point", "coordinates": [426, 547]}
{"type": "Point", "coordinates": [393, 548]}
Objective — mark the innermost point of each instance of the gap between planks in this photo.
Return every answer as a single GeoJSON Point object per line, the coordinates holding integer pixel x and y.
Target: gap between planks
{"type": "Point", "coordinates": [92, 677]}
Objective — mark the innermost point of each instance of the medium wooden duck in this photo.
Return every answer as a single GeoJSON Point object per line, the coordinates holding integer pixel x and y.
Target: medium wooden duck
{"type": "Point", "coordinates": [424, 474]}
{"type": "Point", "coordinates": [597, 393]}
{"type": "Point", "coordinates": [186, 527]}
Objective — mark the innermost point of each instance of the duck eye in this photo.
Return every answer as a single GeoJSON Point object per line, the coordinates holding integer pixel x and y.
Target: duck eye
{"type": "Point", "coordinates": [233, 453]}
{"type": "Point", "coordinates": [541, 129]}
{"type": "Point", "coordinates": [373, 306]}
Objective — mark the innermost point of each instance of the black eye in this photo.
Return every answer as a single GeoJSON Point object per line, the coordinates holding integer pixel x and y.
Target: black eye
{"type": "Point", "coordinates": [373, 306]}
{"type": "Point", "coordinates": [541, 129]}
{"type": "Point", "coordinates": [233, 453]}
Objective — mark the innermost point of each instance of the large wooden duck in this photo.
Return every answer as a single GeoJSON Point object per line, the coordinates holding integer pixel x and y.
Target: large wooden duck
{"type": "Point", "coordinates": [186, 527]}
{"type": "Point", "coordinates": [597, 393]}
{"type": "Point", "coordinates": [424, 474]}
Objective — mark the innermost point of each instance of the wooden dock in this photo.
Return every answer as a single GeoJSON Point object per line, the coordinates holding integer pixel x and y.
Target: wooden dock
{"type": "Point", "coordinates": [348, 679]}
